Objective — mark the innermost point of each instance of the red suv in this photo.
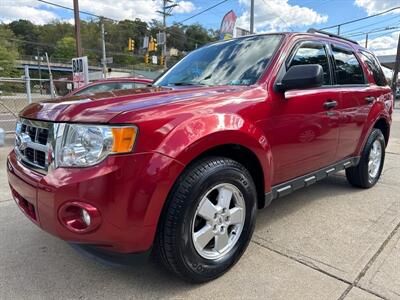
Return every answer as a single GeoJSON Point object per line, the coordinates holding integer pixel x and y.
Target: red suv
{"type": "Point", "coordinates": [181, 167]}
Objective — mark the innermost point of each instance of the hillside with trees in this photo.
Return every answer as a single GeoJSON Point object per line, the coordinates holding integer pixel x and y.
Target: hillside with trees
{"type": "Point", "coordinates": [23, 38]}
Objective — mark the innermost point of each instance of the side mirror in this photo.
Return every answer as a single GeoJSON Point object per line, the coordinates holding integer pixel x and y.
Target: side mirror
{"type": "Point", "coordinates": [301, 77]}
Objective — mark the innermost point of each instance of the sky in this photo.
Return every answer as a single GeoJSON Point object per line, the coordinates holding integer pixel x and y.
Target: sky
{"type": "Point", "coordinates": [270, 15]}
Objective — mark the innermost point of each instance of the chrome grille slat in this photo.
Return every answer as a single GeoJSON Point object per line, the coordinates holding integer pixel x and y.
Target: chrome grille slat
{"type": "Point", "coordinates": [36, 148]}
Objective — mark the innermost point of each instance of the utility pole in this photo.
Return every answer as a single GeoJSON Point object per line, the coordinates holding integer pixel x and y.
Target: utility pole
{"type": "Point", "coordinates": [77, 29]}
{"type": "Point", "coordinates": [166, 12]}
{"type": "Point", "coordinates": [251, 16]}
{"type": "Point", "coordinates": [366, 40]}
{"type": "Point", "coordinates": [103, 42]}
{"type": "Point", "coordinates": [338, 30]}
{"type": "Point", "coordinates": [396, 71]}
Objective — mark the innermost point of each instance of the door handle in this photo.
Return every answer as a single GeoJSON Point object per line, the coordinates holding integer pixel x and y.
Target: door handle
{"type": "Point", "coordinates": [370, 99]}
{"type": "Point", "coordinates": [330, 104]}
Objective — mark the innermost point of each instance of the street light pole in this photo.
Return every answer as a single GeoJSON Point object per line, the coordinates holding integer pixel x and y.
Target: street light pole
{"type": "Point", "coordinates": [77, 29]}
{"type": "Point", "coordinates": [251, 16]}
{"type": "Point", "coordinates": [103, 42]}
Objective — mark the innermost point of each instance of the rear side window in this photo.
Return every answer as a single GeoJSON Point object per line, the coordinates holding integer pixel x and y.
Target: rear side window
{"type": "Point", "coordinates": [347, 68]}
{"type": "Point", "coordinates": [313, 53]}
{"type": "Point", "coordinates": [98, 88]}
{"type": "Point", "coordinates": [374, 67]}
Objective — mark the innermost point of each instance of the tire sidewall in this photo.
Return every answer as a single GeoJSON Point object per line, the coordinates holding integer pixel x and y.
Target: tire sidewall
{"type": "Point", "coordinates": [206, 269]}
{"type": "Point", "coordinates": [376, 135]}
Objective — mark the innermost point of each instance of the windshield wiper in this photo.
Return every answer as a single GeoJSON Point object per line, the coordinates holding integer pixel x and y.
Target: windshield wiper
{"type": "Point", "coordinates": [183, 83]}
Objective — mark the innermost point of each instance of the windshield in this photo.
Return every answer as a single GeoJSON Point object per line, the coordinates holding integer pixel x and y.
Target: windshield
{"type": "Point", "coordinates": [234, 62]}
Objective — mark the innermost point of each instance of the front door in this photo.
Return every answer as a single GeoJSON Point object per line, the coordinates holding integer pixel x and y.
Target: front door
{"type": "Point", "coordinates": [303, 130]}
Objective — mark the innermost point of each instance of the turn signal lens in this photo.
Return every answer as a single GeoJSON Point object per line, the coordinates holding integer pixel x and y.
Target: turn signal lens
{"type": "Point", "coordinates": [124, 138]}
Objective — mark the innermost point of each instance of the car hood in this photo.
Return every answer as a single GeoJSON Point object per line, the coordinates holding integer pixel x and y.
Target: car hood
{"type": "Point", "coordinates": [102, 107]}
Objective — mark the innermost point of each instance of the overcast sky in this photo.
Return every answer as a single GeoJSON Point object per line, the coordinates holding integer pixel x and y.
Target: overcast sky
{"type": "Point", "coordinates": [270, 15]}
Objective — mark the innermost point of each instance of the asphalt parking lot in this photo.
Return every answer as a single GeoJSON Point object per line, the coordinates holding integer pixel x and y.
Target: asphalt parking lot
{"type": "Point", "coordinates": [329, 241]}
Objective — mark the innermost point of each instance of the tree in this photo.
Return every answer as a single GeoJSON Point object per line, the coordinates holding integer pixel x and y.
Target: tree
{"type": "Point", "coordinates": [8, 53]}
{"type": "Point", "coordinates": [50, 34]}
{"type": "Point", "coordinates": [176, 37]}
{"type": "Point", "coordinates": [28, 32]}
{"type": "Point", "coordinates": [65, 48]}
{"type": "Point", "coordinates": [196, 36]}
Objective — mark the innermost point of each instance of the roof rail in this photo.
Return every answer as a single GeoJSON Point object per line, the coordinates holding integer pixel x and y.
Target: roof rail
{"type": "Point", "coordinates": [313, 30]}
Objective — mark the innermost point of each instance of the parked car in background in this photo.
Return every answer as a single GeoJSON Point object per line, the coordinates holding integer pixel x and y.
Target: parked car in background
{"type": "Point", "coordinates": [111, 84]}
{"type": "Point", "coordinates": [181, 168]}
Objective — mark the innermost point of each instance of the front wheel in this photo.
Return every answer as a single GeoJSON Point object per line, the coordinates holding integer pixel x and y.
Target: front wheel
{"type": "Point", "coordinates": [208, 220]}
{"type": "Point", "coordinates": [366, 174]}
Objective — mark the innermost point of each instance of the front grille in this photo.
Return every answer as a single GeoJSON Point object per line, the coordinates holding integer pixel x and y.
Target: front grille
{"type": "Point", "coordinates": [33, 143]}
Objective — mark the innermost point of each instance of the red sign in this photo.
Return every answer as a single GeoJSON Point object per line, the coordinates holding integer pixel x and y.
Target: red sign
{"type": "Point", "coordinates": [227, 25]}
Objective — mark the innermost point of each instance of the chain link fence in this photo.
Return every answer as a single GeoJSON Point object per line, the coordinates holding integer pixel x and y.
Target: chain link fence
{"type": "Point", "coordinates": [17, 93]}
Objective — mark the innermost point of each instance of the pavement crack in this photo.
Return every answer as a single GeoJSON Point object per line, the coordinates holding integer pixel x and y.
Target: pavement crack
{"type": "Point", "coordinates": [6, 200]}
{"type": "Point", "coordinates": [369, 264]}
{"type": "Point", "coordinates": [305, 263]}
{"type": "Point", "coordinates": [393, 153]}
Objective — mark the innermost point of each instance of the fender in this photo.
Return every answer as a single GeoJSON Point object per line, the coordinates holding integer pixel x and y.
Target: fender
{"type": "Point", "coordinates": [377, 112]}
{"type": "Point", "coordinates": [195, 136]}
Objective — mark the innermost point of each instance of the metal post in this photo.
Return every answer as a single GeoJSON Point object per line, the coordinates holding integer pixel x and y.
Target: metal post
{"type": "Point", "coordinates": [103, 42]}
{"type": "Point", "coordinates": [40, 70]}
{"type": "Point", "coordinates": [28, 85]}
{"type": "Point", "coordinates": [251, 16]}
{"type": "Point", "coordinates": [396, 71]}
{"type": "Point", "coordinates": [338, 30]}
{"type": "Point", "coordinates": [51, 78]}
{"type": "Point", "coordinates": [165, 32]}
{"type": "Point", "coordinates": [77, 29]}
{"type": "Point", "coordinates": [366, 40]}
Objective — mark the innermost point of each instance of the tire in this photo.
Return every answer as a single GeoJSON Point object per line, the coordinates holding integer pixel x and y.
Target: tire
{"type": "Point", "coordinates": [361, 175]}
{"type": "Point", "coordinates": [179, 241]}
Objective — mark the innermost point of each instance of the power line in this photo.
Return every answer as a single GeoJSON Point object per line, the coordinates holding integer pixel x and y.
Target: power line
{"type": "Point", "coordinates": [361, 27]}
{"type": "Point", "coordinates": [203, 11]}
{"type": "Point", "coordinates": [114, 20]}
{"type": "Point", "coordinates": [374, 31]}
{"type": "Point", "coordinates": [360, 19]}
{"type": "Point", "coordinates": [70, 8]}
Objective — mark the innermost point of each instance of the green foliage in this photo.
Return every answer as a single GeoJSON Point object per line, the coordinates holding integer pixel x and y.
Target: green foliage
{"type": "Point", "coordinates": [8, 53]}
{"type": "Point", "coordinates": [65, 48]}
{"type": "Point", "coordinates": [57, 39]}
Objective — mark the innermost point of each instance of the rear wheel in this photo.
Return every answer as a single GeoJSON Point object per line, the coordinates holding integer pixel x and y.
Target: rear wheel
{"type": "Point", "coordinates": [366, 174]}
{"type": "Point", "coordinates": [208, 220]}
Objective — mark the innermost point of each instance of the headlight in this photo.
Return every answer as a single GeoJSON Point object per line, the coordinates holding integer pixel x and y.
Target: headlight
{"type": "Point", "coordinates": [86, 145]}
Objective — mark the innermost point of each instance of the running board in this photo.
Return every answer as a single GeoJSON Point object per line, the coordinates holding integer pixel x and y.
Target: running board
{"type": "Point", "coordinates": [295, 184]}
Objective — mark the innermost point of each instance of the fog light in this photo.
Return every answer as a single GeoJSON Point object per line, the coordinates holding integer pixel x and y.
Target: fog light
{"type": "Point", "coordinates": [79, 217]}
{"type": "Point", "coordinates": [85, 217]}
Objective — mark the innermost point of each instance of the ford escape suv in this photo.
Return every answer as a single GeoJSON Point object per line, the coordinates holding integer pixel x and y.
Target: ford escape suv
{"type": "Point", "coordinates": [180, 168]}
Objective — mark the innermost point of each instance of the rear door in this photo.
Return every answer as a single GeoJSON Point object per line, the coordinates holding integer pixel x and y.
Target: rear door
{"type": "Point", "coordinates": [356, 98]}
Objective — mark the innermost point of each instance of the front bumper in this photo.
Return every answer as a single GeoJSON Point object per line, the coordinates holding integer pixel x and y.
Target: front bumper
{"type": "Point", "coordinates": [128, 190]}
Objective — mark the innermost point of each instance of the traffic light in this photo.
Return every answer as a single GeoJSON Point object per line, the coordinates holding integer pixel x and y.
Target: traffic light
{"type": "Point", "coordinates": [152, 44]}
{"type": "Point", "coordinates": [131, 44]}
{"type": "Point", "coordinates": [161, 60]}
{"type": "Point", "coordinates": [146, 58]}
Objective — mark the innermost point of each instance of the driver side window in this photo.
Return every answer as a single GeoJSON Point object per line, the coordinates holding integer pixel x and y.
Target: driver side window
{"type": "Point", "coordinates": [313, 53]}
